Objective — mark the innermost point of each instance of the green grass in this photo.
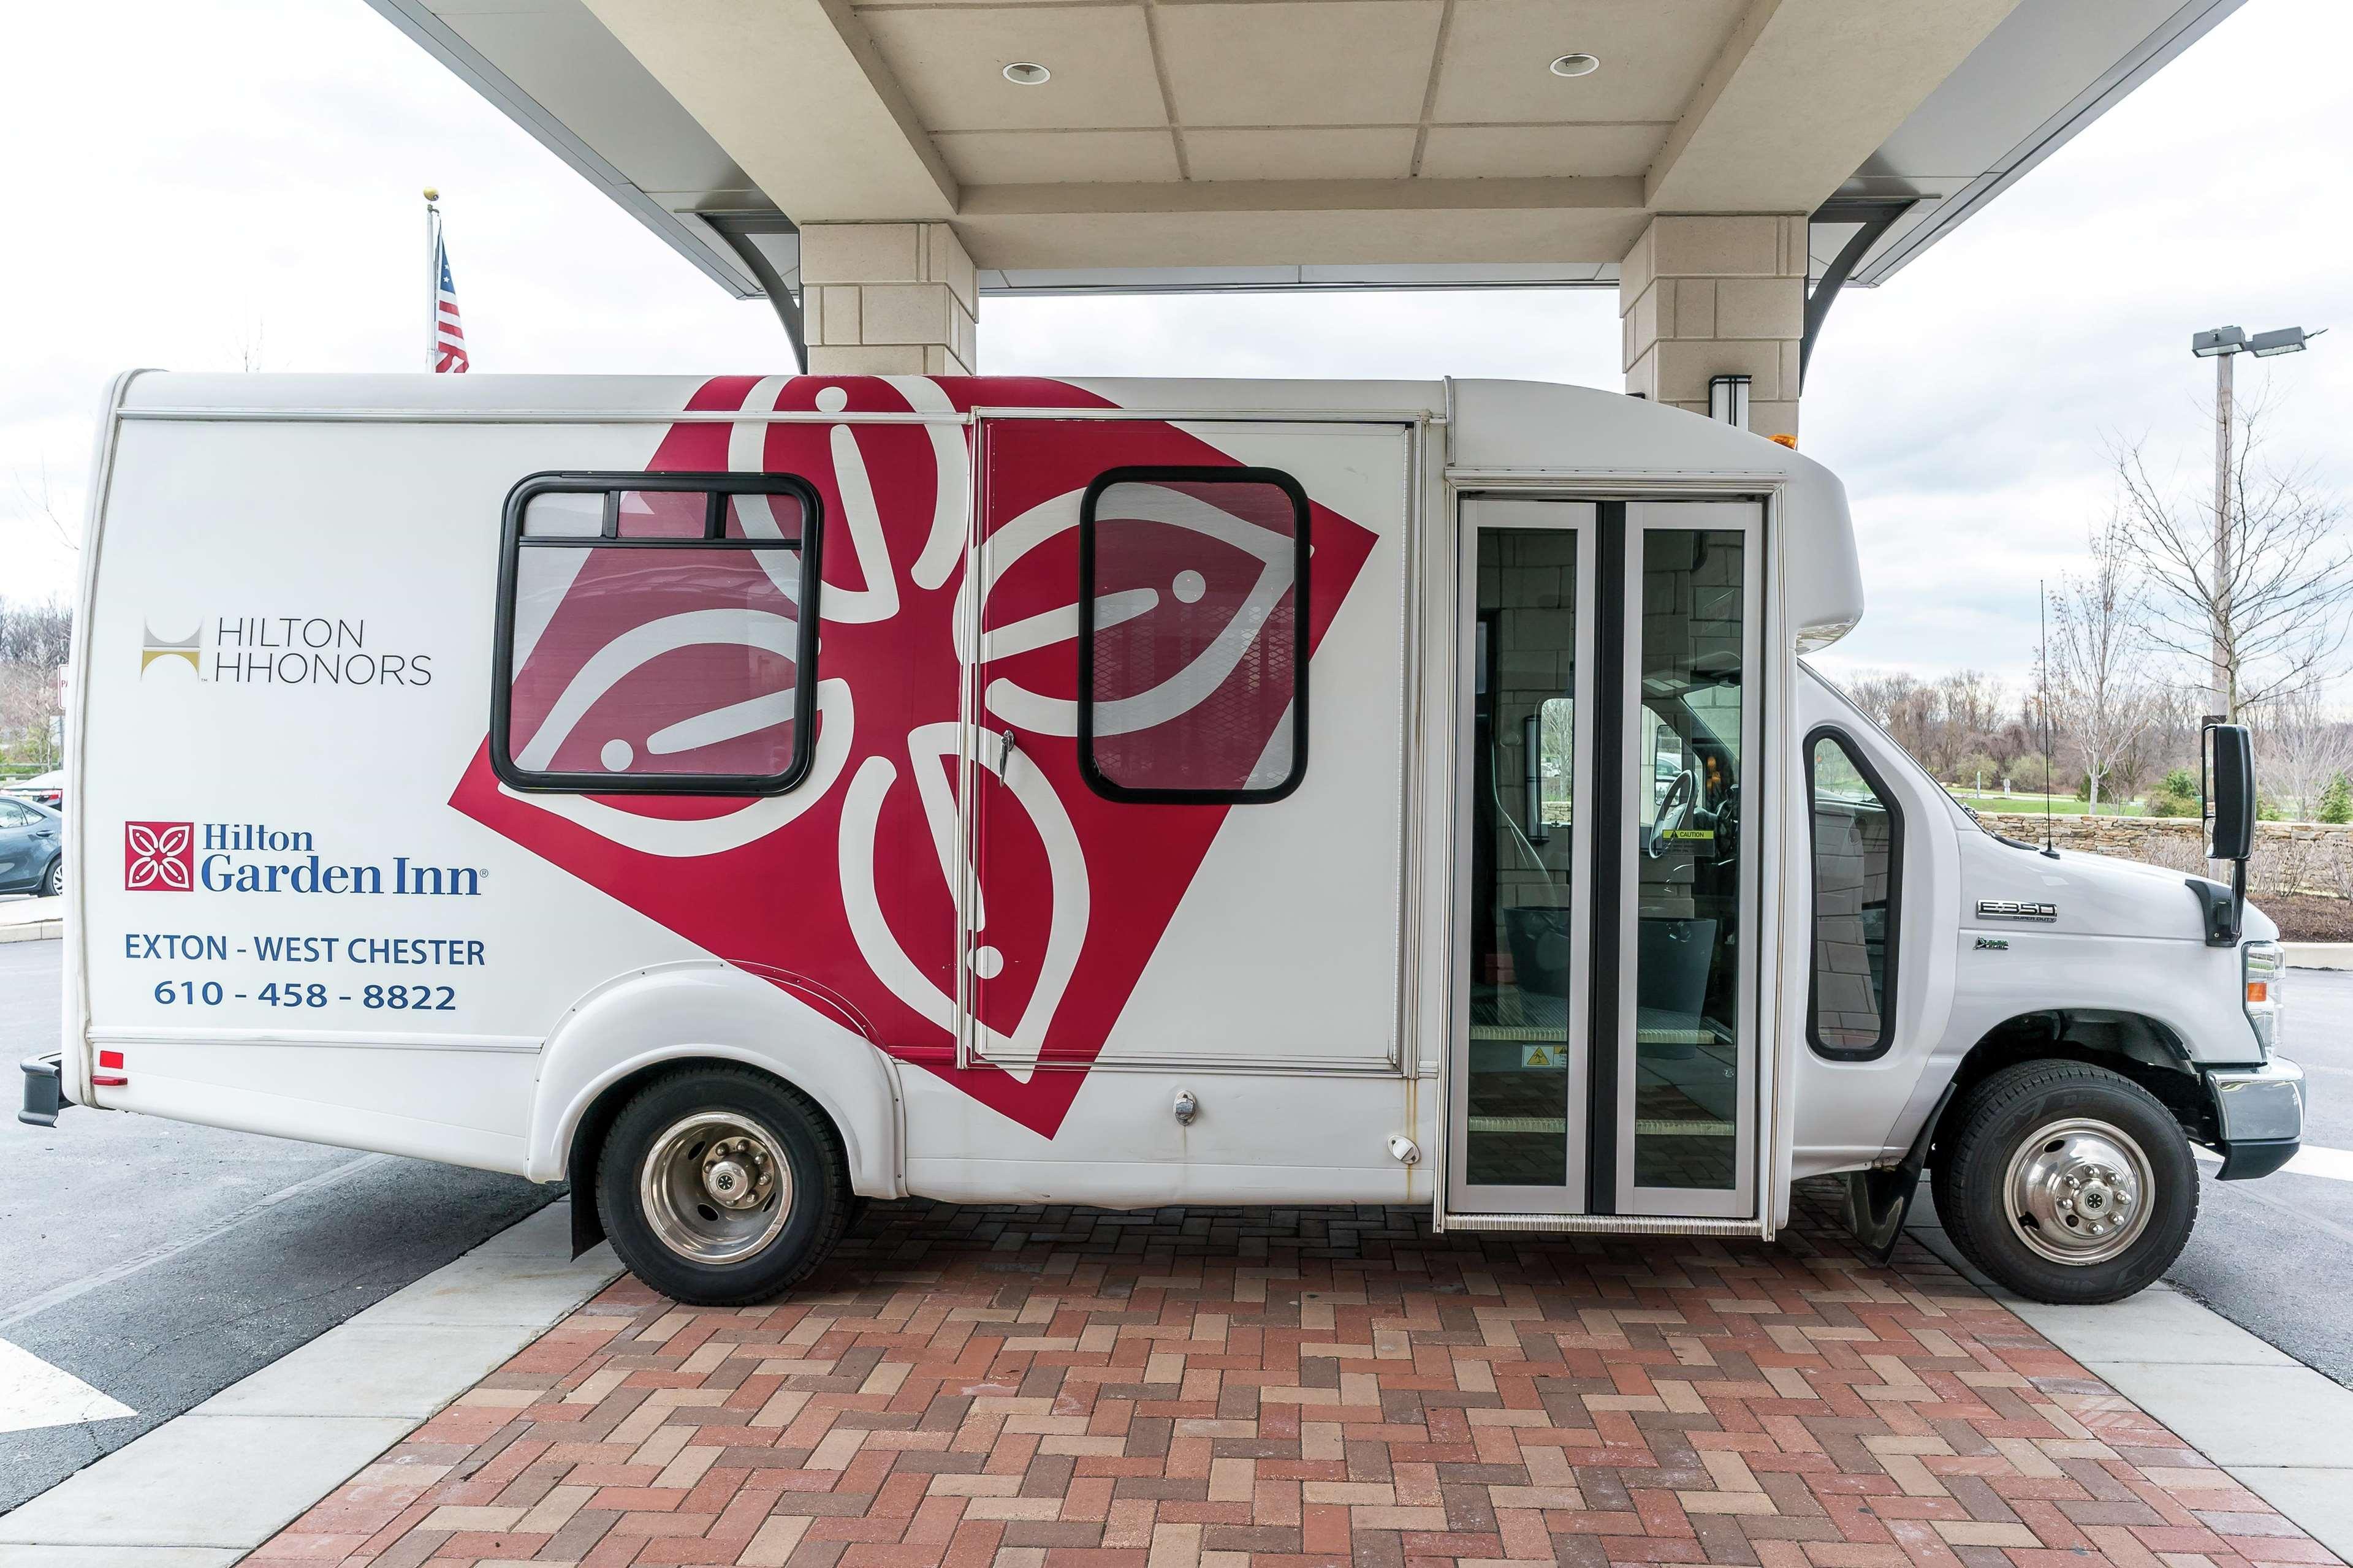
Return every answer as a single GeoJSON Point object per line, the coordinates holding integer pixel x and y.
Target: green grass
{"type": "Point", "coordinates": [2061, 804]}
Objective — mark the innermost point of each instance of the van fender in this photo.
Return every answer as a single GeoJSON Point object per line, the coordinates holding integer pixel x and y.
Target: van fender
{"type": "Point", "coordinates": [704, 1009]}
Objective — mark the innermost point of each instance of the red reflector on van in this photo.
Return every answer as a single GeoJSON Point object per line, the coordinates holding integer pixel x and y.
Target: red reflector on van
{"type": "Point", "coordinates": [110, 1058]}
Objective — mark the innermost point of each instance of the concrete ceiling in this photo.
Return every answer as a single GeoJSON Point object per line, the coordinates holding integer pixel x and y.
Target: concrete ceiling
{"type": "Point", "coordinates": [1295, 143]}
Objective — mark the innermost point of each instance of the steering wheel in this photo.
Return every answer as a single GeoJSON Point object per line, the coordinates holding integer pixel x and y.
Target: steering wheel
{"type": "Point", "coordinates": [1727, 827]}
{"type": "Point", "coordinates": [1675, 809]}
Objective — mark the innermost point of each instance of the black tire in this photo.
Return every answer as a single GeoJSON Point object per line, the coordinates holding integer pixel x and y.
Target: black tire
{"type": "Point", "coordinates": [53, 880]}
{"type": "Point", "coordinates": [2003, 1120]}
{"type": "Point", "coordinates": [781, 1240]}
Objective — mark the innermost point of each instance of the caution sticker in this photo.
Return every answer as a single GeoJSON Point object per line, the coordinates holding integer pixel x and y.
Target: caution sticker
{"type": "Point", "coordinates": [1543, 1056]}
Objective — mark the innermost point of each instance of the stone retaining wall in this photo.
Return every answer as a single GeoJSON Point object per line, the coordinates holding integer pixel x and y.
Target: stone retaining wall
{"type": "Point", "coordinates": [2312, 858]}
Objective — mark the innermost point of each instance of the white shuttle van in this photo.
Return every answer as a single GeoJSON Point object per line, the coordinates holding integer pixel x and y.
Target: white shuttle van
{"type": "Point", "coordinates": [745, 796]}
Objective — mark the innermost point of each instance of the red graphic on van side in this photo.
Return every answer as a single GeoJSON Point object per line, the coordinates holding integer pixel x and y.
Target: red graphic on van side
{"type": "Point", "coordinates": [645, 659]}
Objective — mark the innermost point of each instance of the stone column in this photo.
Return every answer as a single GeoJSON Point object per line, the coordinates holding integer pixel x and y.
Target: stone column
{"type": "Point", "coordinates": [1705, 295]}
{"type": "Point", "coordinates": [887, 299]}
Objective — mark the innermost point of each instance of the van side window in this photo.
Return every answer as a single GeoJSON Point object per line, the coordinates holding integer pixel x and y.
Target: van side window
{"type": "Point", "coordinates": [1858, 886]}
{"type": "Point", "coordinates": [1193, 635]}
{"type": "Point", "coordinates": [657, 634]}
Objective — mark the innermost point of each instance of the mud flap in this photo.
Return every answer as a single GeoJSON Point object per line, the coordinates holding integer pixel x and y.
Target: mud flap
{"type": "Point", "coordinates": [587, 1225]}
{"type": "Point", "coordinates": [1877, 1201]}
{"type": "Point", "coordinates": [580, 1174]}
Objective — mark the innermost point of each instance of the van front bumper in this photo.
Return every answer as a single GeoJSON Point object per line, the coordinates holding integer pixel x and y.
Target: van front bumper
{"type": "Point", "coordinates": [45, 1089]}
{"type": "Point", "coordinates": [2259, 1111]}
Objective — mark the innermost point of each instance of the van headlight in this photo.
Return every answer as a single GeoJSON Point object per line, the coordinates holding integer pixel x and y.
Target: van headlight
{"type": "Point", "coordinates": [2262, 968]}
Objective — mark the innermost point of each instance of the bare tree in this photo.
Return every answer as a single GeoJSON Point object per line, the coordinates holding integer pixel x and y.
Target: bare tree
{"type": "Point", "coordinates": [2301, 745]}
{"type": "Point", "coordinates": [1973, 703]}
{"type": "Point", "coordinates": [1876, 693]}
{"type": "Point", "coordinates": [2096, 671]}
{"type": "Point", "coordinates": [28, 710]}
{"type": "Point", "coordinates": [36, 640]}
{"type": "Point", "coordinates": [1943, 724]}
{"type": "Point", "coordinates": [249, 345]}
{"type": "Point", "coordinates": [37, 634]}
{"type": "Point", "coordinates": [2276, 609]}
{"type": "Point", "coordinates": [35, 500]}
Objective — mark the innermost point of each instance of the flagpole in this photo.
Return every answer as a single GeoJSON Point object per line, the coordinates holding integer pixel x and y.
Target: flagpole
{"type": "Point", "coordinates": [432, 279]}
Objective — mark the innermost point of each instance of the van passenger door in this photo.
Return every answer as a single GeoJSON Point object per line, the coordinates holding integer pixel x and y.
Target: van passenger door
{"type": "Point", "coordinates": [1605, 1051]}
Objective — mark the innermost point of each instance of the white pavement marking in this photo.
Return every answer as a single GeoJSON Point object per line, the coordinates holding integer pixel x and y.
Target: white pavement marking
{"type": "Point", "coordinates": [33, 1394]}
{"type": "Point", "coordinates": [2337, 1164]}
{"type": "Point", "coordinates": [207, 1487]}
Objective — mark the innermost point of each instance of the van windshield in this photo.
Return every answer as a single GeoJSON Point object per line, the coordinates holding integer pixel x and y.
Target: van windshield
{"type": "Point", "coordinates": [1877, 729]}
{"type": "Point", "coordinates": [1690, 727]}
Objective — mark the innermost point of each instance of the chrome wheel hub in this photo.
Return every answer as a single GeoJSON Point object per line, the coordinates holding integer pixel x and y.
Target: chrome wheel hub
{"type": "Point", "coordinates": [2078, 1191]}
{"type": "Point", "coordinates": [715, 1188]}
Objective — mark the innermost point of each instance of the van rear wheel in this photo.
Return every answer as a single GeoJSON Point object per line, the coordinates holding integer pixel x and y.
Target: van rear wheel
{"type": "Point", "coordinates": [721, 1186]}
{"type": "Point", "coordinates": [2066, 1182]}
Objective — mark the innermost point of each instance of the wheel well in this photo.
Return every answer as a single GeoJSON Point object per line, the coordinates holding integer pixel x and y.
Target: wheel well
{"type": "Point", "coordinates": [588, 1136]}
{"type": "Point", "coordinates": [2131, 1045]}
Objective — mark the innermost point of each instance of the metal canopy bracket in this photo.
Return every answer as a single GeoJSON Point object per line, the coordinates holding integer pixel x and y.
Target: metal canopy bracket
{"type": "Point", "coordinates": [1876, 218]}
{"type": "Point", "coordinates": [770, 244]}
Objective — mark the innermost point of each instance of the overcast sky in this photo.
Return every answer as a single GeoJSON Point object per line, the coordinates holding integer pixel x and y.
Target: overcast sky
{"type": "Point", "coordinates": [202, 185]}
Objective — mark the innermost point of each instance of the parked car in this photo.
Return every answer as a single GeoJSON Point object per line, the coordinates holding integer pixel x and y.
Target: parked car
{"type": "Point", "coordinates": [32, 849]}
{"type": "Point", "coordinates": [42, 789]}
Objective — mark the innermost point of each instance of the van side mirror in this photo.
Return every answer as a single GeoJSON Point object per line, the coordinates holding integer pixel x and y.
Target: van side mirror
{"type": "Point", "coordinates": [2231, 792]}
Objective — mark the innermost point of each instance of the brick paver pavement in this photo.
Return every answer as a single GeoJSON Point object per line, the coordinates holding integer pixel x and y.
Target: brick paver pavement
{"type": "Point", "coordinates": [990, 1387]}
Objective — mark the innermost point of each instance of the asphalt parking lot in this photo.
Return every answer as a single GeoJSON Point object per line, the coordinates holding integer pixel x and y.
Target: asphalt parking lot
{"type": "Point", "coordinates": [158, 1262]}
{"type": "Point", "coordinates": [2276, 1255]}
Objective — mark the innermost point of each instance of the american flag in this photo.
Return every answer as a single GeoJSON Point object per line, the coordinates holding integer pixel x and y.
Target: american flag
{"type": "Point", "coordinates": [449, 336]}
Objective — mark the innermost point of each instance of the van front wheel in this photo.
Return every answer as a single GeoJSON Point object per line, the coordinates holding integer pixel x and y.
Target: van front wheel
{"type": "Point", "coordinates": [2066, 1182]}
{"type": "Point", "coordinates": [721, 1187]}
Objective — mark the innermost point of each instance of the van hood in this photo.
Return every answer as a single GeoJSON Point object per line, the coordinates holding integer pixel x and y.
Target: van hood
{"type": "Point", "coordinates": [2087, 895]}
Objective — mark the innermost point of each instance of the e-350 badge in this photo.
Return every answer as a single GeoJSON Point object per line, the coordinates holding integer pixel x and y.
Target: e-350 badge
{"type": "Point", "coordinates": [2013, 910]}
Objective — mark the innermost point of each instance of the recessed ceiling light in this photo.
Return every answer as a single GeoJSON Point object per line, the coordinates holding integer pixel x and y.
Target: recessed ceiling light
{"type": "Point", "coordinates": [1026, 73]}
{"type": "Point", "coordinates": [1576, 65]}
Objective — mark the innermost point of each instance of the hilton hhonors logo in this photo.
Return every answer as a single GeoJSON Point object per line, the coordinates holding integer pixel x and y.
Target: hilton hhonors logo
{"type": "Point", "coordinates": [190, 648]}
{"type": "Point", "coordinates": [284, 650]}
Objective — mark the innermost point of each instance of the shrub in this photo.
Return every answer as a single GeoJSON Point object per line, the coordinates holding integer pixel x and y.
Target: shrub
{"type": "Point", "coordinates": [2165, 802]}
{"type": "Point", "coordinates": [2336, 801]}
{"type": "Point", "coordinates": [2180, 781]}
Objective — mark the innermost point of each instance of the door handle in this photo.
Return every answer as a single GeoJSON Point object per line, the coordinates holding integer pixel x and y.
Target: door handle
{"type": "Point", "coordinates": [1006, 745]}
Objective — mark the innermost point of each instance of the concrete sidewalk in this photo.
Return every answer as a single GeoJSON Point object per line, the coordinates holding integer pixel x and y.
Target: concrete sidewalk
{"type": "Point", "coordinates": [32, 919]}
{"type": "Point", "coordinates": [203, 1490]}
{"type": "Point", "coordinates": [1072, 1388]}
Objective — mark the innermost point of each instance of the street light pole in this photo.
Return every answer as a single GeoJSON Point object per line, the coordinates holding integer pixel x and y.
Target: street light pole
{"type": "Point", "coordinates": [2222, 345]}
{"type": "Point", "coordinates": [2225, 678]}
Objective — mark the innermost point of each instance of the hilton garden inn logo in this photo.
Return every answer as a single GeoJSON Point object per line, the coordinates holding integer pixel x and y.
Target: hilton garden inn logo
{"type": "Point", "coordinates": [255, 857]}
{"type": "Point", "coordinates": [283, 651]}
{"type": "Point", "coordinates": [159, 857]}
